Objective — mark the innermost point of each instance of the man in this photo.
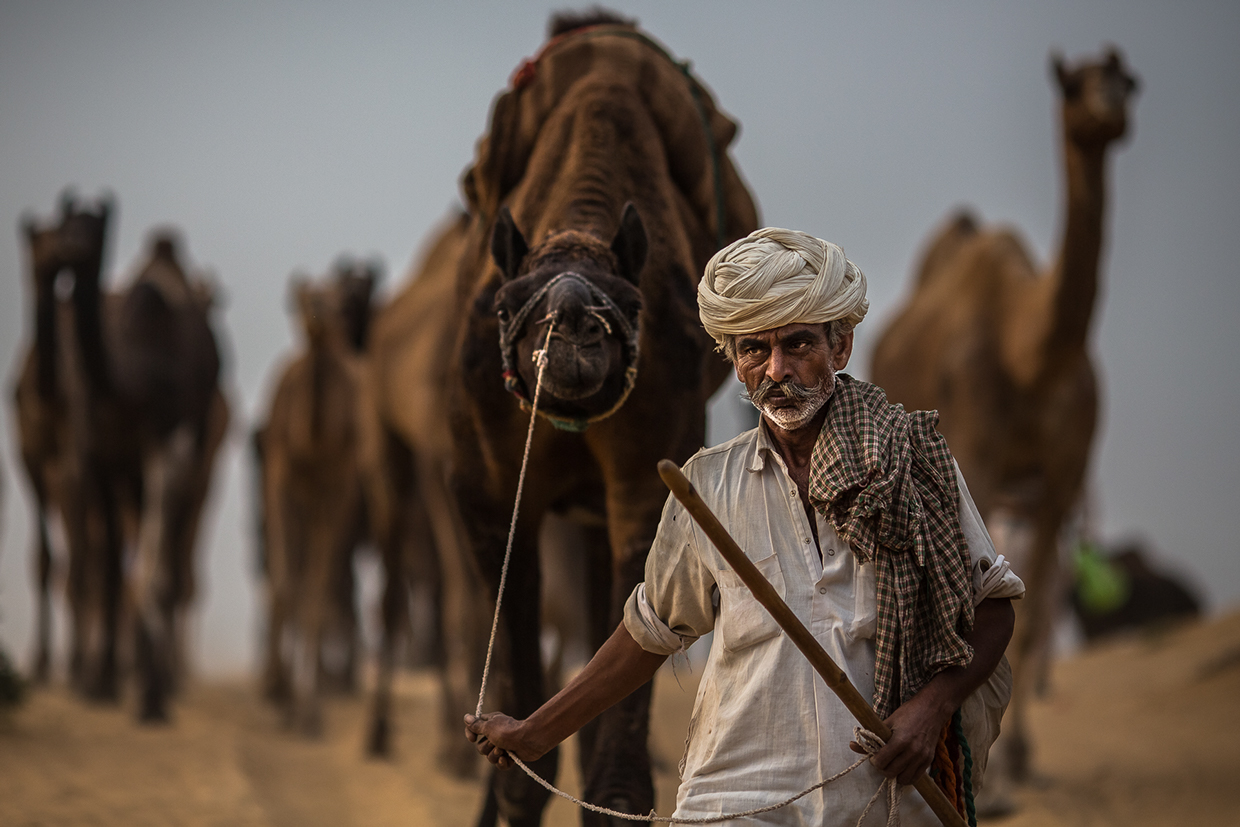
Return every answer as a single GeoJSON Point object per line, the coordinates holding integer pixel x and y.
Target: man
{"type": "Point", "coordinates": [856, 513]}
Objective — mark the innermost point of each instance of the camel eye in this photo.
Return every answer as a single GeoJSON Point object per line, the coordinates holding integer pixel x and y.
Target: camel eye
{"type": "Point", "coordinates": [503, 315]}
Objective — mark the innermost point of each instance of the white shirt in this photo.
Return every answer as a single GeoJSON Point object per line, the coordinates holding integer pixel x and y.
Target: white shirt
{"type": "Point", "coordinates": [765, 726]}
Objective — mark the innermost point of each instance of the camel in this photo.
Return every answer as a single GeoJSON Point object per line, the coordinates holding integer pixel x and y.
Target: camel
{"type": "Point", "coordinates": [310, 473]}
{"type": "Point", "coordinates": [164, 363]}
{"type": "Point", "coordinates": [53, 456]}
{"type": "Point", "coordinates": [597, 195]}
{"type": "Point", "coordinates": [1002, 352]}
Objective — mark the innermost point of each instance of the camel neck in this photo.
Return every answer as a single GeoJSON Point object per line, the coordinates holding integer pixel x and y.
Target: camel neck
{"type": "Point", "coordinates": [45, 338]}
{"type": "Point", "coordinates": [1075, 277]}
{"type": "Point", "coordinates": [88, 321]}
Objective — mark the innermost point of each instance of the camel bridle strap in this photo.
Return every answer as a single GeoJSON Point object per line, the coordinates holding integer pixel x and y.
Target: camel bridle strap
{"type": "Point", "coordinates": [510, 331]}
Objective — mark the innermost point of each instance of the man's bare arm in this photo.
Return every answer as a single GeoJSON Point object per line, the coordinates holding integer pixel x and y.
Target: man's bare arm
{"type": "Point", "coordinates": [618, 668]}
{"type": "Point", "coordinates": [916, 725]}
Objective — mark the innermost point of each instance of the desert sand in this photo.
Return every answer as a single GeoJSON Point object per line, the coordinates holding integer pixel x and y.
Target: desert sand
{"type": "Point", "coordinates": [1140, 731]}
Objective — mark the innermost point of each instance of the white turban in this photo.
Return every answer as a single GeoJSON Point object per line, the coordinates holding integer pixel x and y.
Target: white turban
{"type": "Point", "coordinates": [776, 277]}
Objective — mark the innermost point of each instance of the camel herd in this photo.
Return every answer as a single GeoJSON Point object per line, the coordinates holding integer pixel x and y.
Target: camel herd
{"type": "Point", "coordinates": [600, 189]}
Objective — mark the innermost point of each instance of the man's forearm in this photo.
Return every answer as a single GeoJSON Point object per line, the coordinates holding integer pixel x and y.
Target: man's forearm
{"type": "Point", "coordinates": [618, 668]}
{"type": "Point", "coordinates": [993, 620]}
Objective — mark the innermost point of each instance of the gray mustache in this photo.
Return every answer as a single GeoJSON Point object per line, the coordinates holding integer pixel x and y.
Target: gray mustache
{"type": "Point", "coordinates": [794, 391]}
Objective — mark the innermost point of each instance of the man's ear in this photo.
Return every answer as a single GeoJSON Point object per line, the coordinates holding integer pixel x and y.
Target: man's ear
{"type": "Point", "coordinates": [839, 359]}
{"type": "Point", "coordinates": [508, 246]}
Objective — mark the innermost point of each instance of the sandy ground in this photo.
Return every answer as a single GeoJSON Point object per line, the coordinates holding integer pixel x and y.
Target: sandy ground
{"type": "Point", "coordinates": [1142, 731]}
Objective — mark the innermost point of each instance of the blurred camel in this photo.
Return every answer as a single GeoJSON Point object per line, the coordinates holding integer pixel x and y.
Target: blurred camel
{"type": "Point", "coordinates": [165, 363]}
{"type": "Point", "coordinates": [313, 516]}
{"type": "Point", "coordinates": [1002, 352]}
{"type": "Point", "coordinates": [55, 451]}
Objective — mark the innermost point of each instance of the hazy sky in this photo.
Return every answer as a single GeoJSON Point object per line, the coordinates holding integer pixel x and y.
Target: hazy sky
{"type": "Point", "coordinates": [278, 135]}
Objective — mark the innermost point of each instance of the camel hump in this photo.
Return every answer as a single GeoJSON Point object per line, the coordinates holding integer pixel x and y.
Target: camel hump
{"type": "Point", "coordinates": [570, 21]}
{"type": "Point", "coordinates": [961, 227]}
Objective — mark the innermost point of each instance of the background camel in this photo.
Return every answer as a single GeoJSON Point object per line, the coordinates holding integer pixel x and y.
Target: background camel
{"type": "Point", "coordinates": [313, 517]}
{"type": "Point", "coordinates": [73, 248]}
{"type": "Point", "coordinates": [165, 364]}
{"type": "Point", "coordinates": [612, 163]}
{"type": "Point", "coordinates": [1002, 352]}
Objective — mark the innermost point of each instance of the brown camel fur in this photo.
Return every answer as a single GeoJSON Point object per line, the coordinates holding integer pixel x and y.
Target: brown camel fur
{"type": "Point", "coordinates": [1002, 352]}
{"type": "Point", "coordinates": [165, 366]}
{"type": "Point", "coordinates": [57, 458]}
{"type": "Point", "coordinates": [607, 156]}
{"type": "Point", "coordinates": [313, 517]}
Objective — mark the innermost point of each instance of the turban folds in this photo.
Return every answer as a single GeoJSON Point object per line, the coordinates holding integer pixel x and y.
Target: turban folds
{"type": "Point", "coordinates": [775, 277]}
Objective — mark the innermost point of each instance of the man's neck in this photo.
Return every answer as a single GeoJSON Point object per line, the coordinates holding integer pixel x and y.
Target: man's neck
{"type": "Point", "coordinates": [797, 447]}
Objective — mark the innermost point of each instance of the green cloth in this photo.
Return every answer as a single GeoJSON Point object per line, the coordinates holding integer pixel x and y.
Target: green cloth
{"type": "Point", "coordinates": [885, 480]}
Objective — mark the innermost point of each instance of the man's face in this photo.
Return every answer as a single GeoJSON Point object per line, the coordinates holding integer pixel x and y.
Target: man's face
{"type": "Point", "coordinates": [789, 371]}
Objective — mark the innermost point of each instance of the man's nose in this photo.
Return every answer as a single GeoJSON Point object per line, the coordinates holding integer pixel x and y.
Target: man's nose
{"type": "Point", "coordinates": [778, 368]}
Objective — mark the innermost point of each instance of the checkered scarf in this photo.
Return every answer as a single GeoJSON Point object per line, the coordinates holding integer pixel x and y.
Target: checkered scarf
{"type": "Point", "coordinates": [884, 479]}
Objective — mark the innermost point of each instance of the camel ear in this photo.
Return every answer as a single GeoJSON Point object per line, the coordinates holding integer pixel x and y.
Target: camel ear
{"type": "Point", "coordinates": [68, 200]}
{"type": "Point", "coordinates": [1069, 84]}
{"type": "Point", "coordinates": [630, 244]}
{"type": "Point", "coordinates": [508, 246]}
{"type": "Point", "coordinates": [28, 227]}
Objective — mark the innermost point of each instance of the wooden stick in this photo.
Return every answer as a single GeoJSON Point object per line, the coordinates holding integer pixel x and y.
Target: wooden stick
{"type": "Point", "coordinates": [683, 490]}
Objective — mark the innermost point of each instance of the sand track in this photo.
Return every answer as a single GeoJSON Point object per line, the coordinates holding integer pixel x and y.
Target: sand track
{"type": "Point", "coordinates": [1143, 731]}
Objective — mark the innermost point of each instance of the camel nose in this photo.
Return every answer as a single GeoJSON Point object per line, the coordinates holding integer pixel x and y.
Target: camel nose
{"type": "Point", "coordinates": [576, 321]}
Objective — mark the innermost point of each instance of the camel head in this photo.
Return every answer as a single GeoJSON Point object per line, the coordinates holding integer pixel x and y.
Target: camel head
{"type": "Point", "coordinates": [74, 245]}
{"type": "Point", "coordinates": [1095, 98]}
{"type": "Point", "coordinates": [578, 297]}
{"type": "Point", "coordinates": [327, 309]}
{"type": "Point", "coordinates": [355, 283]}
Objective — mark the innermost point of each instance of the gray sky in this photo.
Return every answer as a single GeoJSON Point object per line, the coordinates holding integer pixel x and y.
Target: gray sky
{"type": "Point", "coordinates": [278, 135]}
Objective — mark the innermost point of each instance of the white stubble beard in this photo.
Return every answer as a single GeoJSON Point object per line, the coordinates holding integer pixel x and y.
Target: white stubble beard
{"type": "Point", "coordinates": [798, 416]}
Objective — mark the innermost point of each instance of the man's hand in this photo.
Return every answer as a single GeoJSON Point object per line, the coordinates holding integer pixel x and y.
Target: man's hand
{"type": "Point", "coordinates": [915, 730]}
{"type": "Point", "coordinates": [495, 735]}
{"type": "Point", "coordinates": [918, 722]}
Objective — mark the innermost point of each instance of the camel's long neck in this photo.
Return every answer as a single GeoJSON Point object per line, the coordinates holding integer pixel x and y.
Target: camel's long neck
{"type": "Point", "coordinates": [1074, 280]}
{"type": "Point", "coordinates": [45, 338]}
{"type": "Point", "coordinates": [88, 319]}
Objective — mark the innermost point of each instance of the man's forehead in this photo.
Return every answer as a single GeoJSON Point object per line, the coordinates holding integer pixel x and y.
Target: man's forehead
{"type": "Point", "coordinates": [785, 331]}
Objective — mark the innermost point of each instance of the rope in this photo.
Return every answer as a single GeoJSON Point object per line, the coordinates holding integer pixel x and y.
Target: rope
{"type": "Point", "coordinates": [540, 356]}
{"type": "Point", "coordinates": [870, 742]}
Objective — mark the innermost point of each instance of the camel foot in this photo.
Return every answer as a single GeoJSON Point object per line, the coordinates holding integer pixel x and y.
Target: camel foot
{"type": "Point", "coordinates": [309, 724]}
{"type": "Point", "coordinates": [41, 671]}
{"type": "Point", "coordinates": [104, 688]}
{"type": "Point", "coordinates": [153, 712]}
{"type": "Point", "coordinates": [379, 742]}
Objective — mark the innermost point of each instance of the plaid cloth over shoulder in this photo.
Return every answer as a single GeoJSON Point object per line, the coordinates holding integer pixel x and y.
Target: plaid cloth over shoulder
{"type": "Point", "coordinates": [885, 480]}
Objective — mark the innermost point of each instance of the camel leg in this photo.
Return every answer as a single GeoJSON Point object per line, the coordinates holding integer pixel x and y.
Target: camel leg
{"type": "Point", "coordinates": [619, 774]}
{"type": "Point", "coordinates": [521, 800]}
{"type": "Point", "coordinates": [278, 520]}
{"type": "Point", "coordinates": [458, 594]}
{"type": "Point", "coordinates": [387, 481]}
{"type": "Point", "coordinates": [40, 671]}
{"type": "Point", "coordinates": [165, 486]}
{"type": "Point", "coordinates": [329, 531]}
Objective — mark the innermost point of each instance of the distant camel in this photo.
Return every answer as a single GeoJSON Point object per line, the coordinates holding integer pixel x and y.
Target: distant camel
{"type": "Point", "coordinates": [165, 364]}
{"type": "Point", "coordinates": [313, 516]}
{"type": "Point", "coordinates": [600, 190]}
{"type": "Point", "coordinates": [57, 457]}
{"type": "Point", "coordinates": [1002, 352]}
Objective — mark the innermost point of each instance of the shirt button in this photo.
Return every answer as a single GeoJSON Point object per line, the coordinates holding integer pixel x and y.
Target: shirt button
{"type": "Point", "coordinates": [822, 591]}
{"type": "Point", "coordinates": [806, 541]}
{"type": "Point", "coordinates": [830, 552]}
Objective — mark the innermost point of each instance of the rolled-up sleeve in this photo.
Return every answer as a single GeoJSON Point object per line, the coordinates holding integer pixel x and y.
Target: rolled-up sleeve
{"type": "Point", "coordinates": [674, 606]}
{"type": "Point", "coordinates": [992, 574]}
